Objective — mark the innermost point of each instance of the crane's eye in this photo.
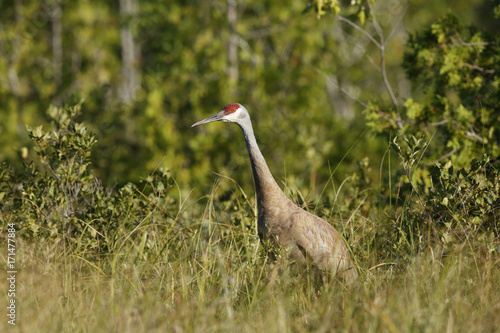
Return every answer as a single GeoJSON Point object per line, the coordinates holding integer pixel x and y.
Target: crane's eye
{"type": "Point", "coordinates": [231, 108]}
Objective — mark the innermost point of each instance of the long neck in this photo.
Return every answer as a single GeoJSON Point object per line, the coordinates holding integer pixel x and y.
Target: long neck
{"type": "Point", "coordinates": [265, 185]}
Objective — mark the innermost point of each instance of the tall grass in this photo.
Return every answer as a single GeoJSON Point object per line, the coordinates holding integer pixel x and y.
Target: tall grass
{"type": "Point", "coordinates": [215, 276]}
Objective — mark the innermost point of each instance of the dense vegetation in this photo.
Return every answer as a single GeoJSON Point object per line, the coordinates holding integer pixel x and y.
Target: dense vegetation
{"type": "Point", "coordinates": [121, 223]}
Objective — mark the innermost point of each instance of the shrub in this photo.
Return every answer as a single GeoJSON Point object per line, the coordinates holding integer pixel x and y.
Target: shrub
{"type": "Point", "coordinates": [57, 196]}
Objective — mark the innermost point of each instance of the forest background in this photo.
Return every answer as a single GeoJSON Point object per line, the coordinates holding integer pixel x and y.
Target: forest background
{"type": "Point", "coordinates": [381, 116]}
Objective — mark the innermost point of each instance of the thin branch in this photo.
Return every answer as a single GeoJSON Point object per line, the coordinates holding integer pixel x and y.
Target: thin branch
{"type": "Point", "coordinates": [473, 44]}
{"type": "Point", "coordinates": [372, 62]}
{"type": "Point", "coordinates": [386, 81]}
{"type": "Point", "coordinates": [345, 92]}
{"type": "Point", "coordinates": [381, 46]}
{"type": "Point", "coordinates": [396, 25]}
{"type": "Point", "coordinates": [476, 67]}
{"type": "Point", "coordinates": [439, 123]}
{"type": "Point", "coordinates": [377, 27]}
{"type": "Point", "coordinates": [51, 170]}
{"type": "Point", "coordinates": [382, 64]}
{"type": "Point", "coordinates": [357, 27]}
{"type": "Point", "coordinates": [472, 134]}
{"type": "Point", "coordinates": [445, 156]}
{"type": "Point", "coordinates": [358, 45]}
{"type": "Point", "coordinates": [479, 44]}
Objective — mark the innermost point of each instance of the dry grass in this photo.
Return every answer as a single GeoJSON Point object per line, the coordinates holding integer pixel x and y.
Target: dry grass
{"type": "Point", "coordinates": [217, 287]}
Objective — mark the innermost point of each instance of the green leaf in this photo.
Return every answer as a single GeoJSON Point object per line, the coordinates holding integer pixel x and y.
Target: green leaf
{"type": "Point", "coordinates": [413, 110]}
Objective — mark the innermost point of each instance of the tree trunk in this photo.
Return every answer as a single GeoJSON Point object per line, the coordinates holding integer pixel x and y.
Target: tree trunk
{"type": "Point", "coordinates": [232, 46]}
{"type": "Point", "coordinates": [130, 52]}
{"type": "Point", "coordinates": [57, 48]}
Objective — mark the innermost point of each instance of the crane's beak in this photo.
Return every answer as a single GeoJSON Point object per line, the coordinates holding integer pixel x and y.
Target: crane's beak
{"type": "Point", "coordinates": [216, 117]}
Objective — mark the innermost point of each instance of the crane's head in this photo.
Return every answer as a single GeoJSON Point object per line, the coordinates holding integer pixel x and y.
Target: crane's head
{"type": "Point", "coordinates": [232, 113]}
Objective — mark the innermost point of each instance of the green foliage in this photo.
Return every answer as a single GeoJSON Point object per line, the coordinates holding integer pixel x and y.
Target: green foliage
{"type": "Point", "coordinates": [322, 7]}
{"type": "Point", "coordinates": [456, 67]}
{"type": "Point", "coordinates": [456, 204]}
{"type": "Point", "coordinates": [448, 184]}
{"type": "Point", "coordinates": [466, 200]}
{"type": "Point", "coordinates": [183, 65]}
{"type": "Point", "coordinates": [57, 196]}
{"type": "Point", "coordinates": [456, 70]}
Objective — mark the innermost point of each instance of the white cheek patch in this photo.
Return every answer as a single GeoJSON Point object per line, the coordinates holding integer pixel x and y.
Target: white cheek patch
{"type": "Point", "coordinates": [233, 116]}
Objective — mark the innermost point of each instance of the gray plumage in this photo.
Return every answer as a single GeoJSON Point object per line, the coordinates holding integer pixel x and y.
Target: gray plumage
{"type": "Point", "coordinates": [306, 236]}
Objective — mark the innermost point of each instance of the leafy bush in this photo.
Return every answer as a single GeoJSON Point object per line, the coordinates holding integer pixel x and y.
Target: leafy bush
{"type": "Point", "coordinates": [448, 183]}
{"type": "Point", "coordinates": [57, 196]}
{"type": "Point", "coordinates": [460, 203]}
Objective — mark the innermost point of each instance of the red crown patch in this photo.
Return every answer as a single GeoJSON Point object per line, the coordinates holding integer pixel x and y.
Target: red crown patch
{"type": "Point", "coordinates": [231, 108]}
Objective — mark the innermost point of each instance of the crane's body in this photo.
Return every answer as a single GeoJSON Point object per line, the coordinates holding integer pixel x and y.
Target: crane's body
{"type": "Point", "coordinates": [308, 237]}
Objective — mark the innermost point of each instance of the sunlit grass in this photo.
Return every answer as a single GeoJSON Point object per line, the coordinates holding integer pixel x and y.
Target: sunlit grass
{"type": "Point", "coordinates": [217, 281]}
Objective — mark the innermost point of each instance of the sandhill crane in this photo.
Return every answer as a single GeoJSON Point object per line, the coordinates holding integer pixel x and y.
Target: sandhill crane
{"type": "Point", "coordinates": [307, 237]}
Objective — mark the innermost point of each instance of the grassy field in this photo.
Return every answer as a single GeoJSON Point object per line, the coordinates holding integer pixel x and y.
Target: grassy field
{"type": "Point", "coordinates": [206, 279]}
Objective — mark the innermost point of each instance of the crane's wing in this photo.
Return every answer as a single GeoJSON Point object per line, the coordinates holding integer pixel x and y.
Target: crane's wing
{"type": "Point", "coordinates": [317, 241]}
